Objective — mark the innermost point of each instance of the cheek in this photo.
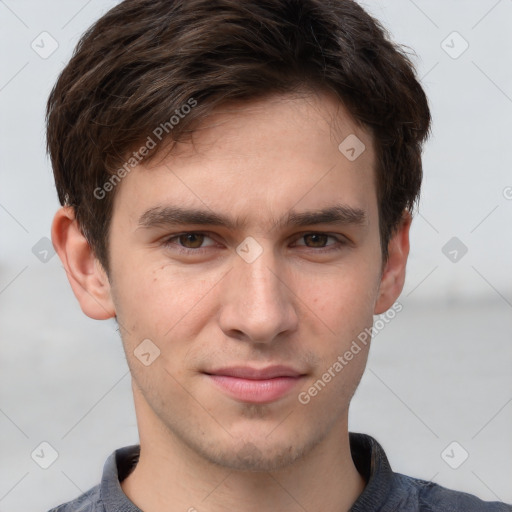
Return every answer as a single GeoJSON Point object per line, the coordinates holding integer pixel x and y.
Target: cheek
{"type": "Point", "coordinates": [159, 304]}
{"type": "Point", "coordinates": [341, 300]}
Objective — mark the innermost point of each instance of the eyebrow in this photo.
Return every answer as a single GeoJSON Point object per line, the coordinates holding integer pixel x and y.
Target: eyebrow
{"type": "Point", "coordinates": [161, 216]}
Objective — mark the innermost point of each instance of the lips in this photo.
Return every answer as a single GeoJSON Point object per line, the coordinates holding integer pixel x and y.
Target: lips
{"type": "Point", "coordinates": [245, 372]}
{"type": "Point", "coordinates": [254, 385]}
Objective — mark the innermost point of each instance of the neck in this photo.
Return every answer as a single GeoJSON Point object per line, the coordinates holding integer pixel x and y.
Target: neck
{"type": "Point", "coordinates": [172, 477]}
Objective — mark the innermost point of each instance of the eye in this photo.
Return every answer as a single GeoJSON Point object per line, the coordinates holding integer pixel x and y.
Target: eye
{"type": "Point", "coordinates": [319, 241]}
{"type": "Point", "coordinates": [193, 242]}
{"type": "Point", "coordinates": [190, 241]}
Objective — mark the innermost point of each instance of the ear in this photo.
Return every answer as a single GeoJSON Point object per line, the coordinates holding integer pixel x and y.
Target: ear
{"type": "Point", "coordinates": [86, 275]}
{"type": "Point", "coordinates": [393, 275]}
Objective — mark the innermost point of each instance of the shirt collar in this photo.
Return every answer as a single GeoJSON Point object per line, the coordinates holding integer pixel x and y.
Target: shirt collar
{"type": "Point", "coordinates": [117, 467]}
{"type": "Point", "coordinates": [373, 465]}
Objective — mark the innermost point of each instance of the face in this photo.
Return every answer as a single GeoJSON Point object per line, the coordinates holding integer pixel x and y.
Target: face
{"type": "Point", "coordinates": [261, 281]}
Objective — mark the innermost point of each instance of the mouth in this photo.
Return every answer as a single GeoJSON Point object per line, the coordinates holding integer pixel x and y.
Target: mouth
{"type": "Point", "coordinates": [253, 385]}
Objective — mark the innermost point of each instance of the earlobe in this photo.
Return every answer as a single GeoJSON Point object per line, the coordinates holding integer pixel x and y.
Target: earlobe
{"type": "Point", "coordinates": [393, 276]}
{"type": "Point", "coordinates": [87, 277]}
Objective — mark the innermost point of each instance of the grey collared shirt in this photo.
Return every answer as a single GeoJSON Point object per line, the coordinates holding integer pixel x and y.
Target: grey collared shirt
{"type": "Point", "coordinates": [385, 491]}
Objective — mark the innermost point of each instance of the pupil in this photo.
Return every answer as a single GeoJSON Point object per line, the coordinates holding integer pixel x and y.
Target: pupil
{"type": "Point", "coordinates": [317, 238]}
{"type": "Point", "coordinates": [189, 240]}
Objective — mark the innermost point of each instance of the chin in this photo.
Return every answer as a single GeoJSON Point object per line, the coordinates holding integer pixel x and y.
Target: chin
{"type": "Point", "coordinates": [250, 457]}
{"type": "Point", "coordinates": [257, 455]}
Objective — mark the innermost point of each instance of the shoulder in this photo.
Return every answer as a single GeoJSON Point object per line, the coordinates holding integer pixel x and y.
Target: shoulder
{"type": "Point", "coordinates": [389, 491]}
{"type": "Point", "coordinates": [424, 496]}
{"type": "Point", "coordinates": [90, 501]}
{"type": "Point", "coordinates": [108, 493]}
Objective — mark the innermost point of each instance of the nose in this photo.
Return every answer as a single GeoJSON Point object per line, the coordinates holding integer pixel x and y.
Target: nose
{"type": "Point", "coordinates": [258, 303]}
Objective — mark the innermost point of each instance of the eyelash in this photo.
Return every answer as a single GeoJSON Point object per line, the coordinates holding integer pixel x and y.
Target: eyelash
{"type": "Point", "coordinates": [168, 243]}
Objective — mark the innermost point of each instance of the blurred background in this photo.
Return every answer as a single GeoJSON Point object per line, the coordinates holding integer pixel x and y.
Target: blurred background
{"type": "Point", "coordinates": [437, 393]}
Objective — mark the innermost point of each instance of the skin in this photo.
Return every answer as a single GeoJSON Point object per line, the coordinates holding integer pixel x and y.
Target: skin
{"type": "Point", "coordinates": [296, 304]}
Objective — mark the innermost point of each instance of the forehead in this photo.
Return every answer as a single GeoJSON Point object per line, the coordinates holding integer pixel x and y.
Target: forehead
{"type": "Point", "coordinates": [258, 161]}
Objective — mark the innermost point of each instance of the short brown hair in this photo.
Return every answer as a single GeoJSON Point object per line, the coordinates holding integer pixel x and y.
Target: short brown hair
{"type": "Point", "coordinates": [136, 67]}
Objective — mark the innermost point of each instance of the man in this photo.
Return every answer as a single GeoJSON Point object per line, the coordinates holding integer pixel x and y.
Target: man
{"type": "Point", "coordinates": [237, 181]}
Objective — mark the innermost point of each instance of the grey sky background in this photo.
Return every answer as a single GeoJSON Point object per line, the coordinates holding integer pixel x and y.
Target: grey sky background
{"type": "Point", "coordinates": [438, 373]}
